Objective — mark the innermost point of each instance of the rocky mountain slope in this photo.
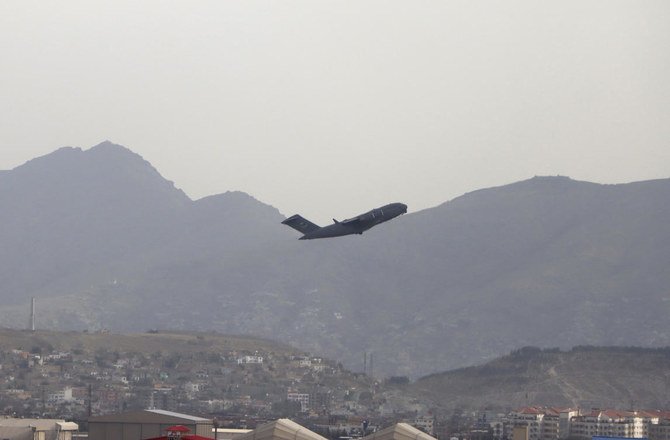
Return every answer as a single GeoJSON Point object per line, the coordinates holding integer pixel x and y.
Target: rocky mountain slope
{"type": "Point", "coordinates": [103, 241]}
{"type": "Point", "coordinates": [583, 377]}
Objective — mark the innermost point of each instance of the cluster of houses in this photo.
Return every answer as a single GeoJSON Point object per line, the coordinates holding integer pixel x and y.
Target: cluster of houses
{"type": "Point", "coordinates": [51, 387]}
{"type": "Point", "coordinates": [75, 384]}
{"type": "Point", "coordinates": [543, 423]}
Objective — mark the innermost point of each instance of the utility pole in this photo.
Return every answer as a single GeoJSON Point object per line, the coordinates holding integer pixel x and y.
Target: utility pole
{"type": "Point", "coordinates": [90, 394]}
{"type": "Point", "coordinates": [32, 314]}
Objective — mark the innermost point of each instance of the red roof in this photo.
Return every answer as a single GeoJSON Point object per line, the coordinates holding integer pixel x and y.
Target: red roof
{"type": "Point", "coordinates": [183, 437]}
{"type": "Point", "coordinates": [178, 428]}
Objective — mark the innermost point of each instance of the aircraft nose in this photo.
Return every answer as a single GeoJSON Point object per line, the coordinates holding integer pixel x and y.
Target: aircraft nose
{"type": "Point", "coordinates": [403, 208]}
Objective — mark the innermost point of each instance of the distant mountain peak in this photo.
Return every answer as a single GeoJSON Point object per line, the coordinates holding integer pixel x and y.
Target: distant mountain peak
{"type": "Point", "coordinates": [108, 150]}
{"type": "Point", "coordinates": [108, 146]}
{"type": "Point", "coordinates": [106, 171]}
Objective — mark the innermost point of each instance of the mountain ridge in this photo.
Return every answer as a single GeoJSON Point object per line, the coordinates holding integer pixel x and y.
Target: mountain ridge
{"type": "Point", "coordinates": [580, 377]}
{"type": "Point", "coordinates": [547, 261]}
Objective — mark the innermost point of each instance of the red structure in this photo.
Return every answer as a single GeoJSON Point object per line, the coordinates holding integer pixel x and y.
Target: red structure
{"type": "Point", "coordinates": [179, 432]}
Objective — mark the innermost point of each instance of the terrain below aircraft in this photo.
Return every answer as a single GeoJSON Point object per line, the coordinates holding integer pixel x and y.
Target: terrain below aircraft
{"type": "Point", "coordinates": [355, 225]}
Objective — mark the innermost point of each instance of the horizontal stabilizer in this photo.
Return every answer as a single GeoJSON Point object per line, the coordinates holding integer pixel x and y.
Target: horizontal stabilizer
{"type": "Point", "coordinates": [300, 224]}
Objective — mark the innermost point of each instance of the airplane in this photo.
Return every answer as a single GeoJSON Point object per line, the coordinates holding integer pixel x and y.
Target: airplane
{"type": "Point", "coordinates": [355, 225]}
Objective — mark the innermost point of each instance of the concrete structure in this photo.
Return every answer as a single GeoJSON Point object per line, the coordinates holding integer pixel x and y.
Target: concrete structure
{"type": "Point", "coordinates": [250, 360]}
{"type": "Point", "coordinates": [564, 420]}
{"type": "Point", "coordinates": [542, 423]}
{"type": "Point", "coordinates": [520, 432]}
{"type": "Point", "coordinates": [282, 429]}
{"type": "Point", "coordinates": [60, 396]}
{"type": "Point", "coordinates": [229, 434]}
{"type": "Point", "coordinates": [610, 423]}
{"type": "Point", "coordinates": [143, 424]}
{"type": "Point", "coordinates": [660, 430]}
{"type": "Point", "coordinates": [37, 429]}
{"type": "Point", "coordinates": [303, 398]}
{"type": "Point", "coordinates": [425, 424]}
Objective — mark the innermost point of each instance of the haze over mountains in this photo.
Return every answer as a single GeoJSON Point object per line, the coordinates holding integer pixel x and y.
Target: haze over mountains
{"type": "Point", "coordinates": [103, 241]}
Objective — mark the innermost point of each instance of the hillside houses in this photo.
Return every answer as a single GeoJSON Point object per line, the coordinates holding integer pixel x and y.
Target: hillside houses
{"type": "Point", "coordinates": [256, 385]}
{"type": "Point", "coordinates": [59, 382]}
{"type": "Point", "coordinates": [545, 423]}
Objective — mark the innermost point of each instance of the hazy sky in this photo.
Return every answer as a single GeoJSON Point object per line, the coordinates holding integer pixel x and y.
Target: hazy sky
{"type": "Point", "coordinates": [329, 108]}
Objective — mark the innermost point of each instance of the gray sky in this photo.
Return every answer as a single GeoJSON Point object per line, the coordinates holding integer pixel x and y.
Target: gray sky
{"type": "Point", "coordinates": [329, 108]}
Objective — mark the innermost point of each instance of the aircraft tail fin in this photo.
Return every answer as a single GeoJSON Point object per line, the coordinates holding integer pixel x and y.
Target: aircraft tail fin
{"type": "Point", "coordinates": [300, 224]}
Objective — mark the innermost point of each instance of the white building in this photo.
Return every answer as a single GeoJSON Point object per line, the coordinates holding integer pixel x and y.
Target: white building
{"type": "Point", "coordinates": [60, 396]}
{"type": "Point", "coordinates": [425, 423]}
{"type": "Point", "coordinates": [250, 360]}
{"type": "Point", "coordinates": [542, 423]}
{"type": "Point", "coordinates": [303, 398]}
{"type": "Point", "coordinates": [610, 423]}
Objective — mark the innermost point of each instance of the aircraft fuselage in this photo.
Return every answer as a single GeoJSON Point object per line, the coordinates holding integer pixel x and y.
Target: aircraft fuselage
{"type": "Point", "coordinates": [355, 225]}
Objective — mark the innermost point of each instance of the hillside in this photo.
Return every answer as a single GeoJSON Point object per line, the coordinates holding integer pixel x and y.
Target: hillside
{"type": "Point", "coordinates": [154, 341]}
{"type": "Point", "coordinates": [585, 377]}
{"type": "Point", "coordinates": [103, 241]}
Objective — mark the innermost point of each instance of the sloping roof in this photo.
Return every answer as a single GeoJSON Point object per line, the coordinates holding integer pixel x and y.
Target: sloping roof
{"type": "Point", "coordinates": [150, 416]}
{"type": "Point", "coordinates": [183, 416]}
{"type": "Point", "coordinates": [282, 429]}
{"type": "Point", "coordinates": [399, 431]}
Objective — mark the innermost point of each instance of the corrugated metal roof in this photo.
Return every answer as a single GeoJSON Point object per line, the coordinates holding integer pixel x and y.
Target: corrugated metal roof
{"type": "Point", "coordinates": [150, 416]}
{"type": "Point", "coordinates": [182, 416]}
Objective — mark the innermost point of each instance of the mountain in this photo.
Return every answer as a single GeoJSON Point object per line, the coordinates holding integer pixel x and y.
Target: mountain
{"type": "Point", "coordinates": [69, 215]}
{"type": "Point", "coordinates": [103, 241]}
{"type": "Point", "coordinates": [583, 377]}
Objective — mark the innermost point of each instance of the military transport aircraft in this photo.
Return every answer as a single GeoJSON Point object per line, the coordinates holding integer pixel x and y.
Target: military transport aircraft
{"type": "Point", "coordinates": [355, 225]}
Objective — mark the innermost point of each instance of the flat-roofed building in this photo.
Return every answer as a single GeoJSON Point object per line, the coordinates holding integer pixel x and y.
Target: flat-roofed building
{"type": "Point", "coordinates": [37, 429]}
{"type": "Point", "coordinates": [609, 423]}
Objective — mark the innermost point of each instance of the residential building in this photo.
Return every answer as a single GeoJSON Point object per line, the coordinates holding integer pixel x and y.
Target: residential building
{"type": "Point", "coordinates": [425, 423]}
{"type": "Point", "coordinates": [250, 360]}
{"type": "Point", "coordinates": [303, 398]}
{"type": "Point", "coordinates": [609, 423]}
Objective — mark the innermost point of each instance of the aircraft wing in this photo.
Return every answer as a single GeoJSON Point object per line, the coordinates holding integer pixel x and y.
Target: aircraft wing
{"type": "Point", "coordinates": [351, 221]}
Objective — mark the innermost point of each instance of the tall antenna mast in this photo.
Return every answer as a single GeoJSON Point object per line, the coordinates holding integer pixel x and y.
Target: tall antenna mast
{"type": "Point", "coordinates": [32, 314]}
